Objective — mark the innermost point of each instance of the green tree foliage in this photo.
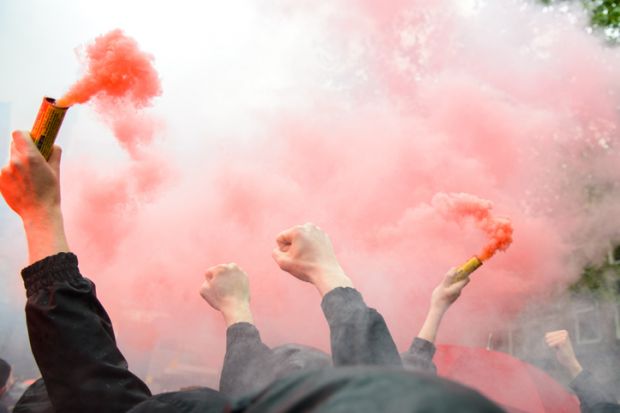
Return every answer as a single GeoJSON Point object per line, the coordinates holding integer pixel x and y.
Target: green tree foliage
{"type": "Point", "coordinates": [605, 13]}
{"type": "Point", "coordinates": [604, 16]}
{"type": "Point", "coordinates": [602, 280]}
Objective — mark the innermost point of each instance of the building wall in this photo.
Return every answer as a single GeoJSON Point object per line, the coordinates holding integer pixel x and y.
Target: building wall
{"type": "Point", "coordinates": [593, 325]}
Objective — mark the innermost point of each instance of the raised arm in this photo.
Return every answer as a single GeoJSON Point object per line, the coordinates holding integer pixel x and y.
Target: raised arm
{"type": "Point", "coordinates": [70, 332]}
{"type": "Point", "coordinates": [593, 396]}
{"type": "Point", "coordinates": [359, 335]}
{"type": "Point", "coordinates": [443, 296]}
{"type": "Point", "coordinates": [422, 349]}
{"type": "Point", "coordinates": [247, 364]}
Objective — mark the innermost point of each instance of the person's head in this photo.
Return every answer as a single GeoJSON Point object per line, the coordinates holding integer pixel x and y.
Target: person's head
{"type": "Point", "coordinates": [5, 376]}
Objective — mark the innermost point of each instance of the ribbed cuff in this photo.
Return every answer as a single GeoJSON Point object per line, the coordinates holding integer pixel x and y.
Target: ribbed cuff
{"type": "Point", "coordinates": [591, 392]}
{"type": "Point", "coordinates": [341, 301]}
{"type": "Point", "coordinates": [423, 347]}
{"type": "Point", "coordinates": [241, 332]}
{"type": "Point", "coordinates": [583, 381]}
{"type": "Point", "coordinates": [43, 273]}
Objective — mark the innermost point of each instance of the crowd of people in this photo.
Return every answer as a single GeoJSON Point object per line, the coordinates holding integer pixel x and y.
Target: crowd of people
{"type": "Point", "coordinates": [83, 370]}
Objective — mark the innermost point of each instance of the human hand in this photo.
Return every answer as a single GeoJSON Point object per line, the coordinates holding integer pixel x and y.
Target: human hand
{"type": "Point", "coordinates": [448, 291]}
{"type": "Point", "coordinates": [29, 184]}
{"type": "Point", "coordinates": [226, 289]}
{"type": "Point", "coordinates": [306, 252]}
{"type": "Point", "coordinates": [560, 342]}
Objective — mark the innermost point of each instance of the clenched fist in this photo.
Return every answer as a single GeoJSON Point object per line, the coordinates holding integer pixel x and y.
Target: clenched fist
{"type": "Point", "coordinates": [227, 290]}
{"type": "Point", "coordinates": [306, 252]}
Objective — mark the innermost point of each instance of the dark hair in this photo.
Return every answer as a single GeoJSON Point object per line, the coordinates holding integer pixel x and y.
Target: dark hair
{"type": "Point", "coordinates": [5, 372]}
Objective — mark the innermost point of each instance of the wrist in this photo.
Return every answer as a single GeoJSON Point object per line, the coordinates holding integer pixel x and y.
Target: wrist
{"type": "Point", "coordinates": [45, 233]}
{"type": "Point", "coordinates": [40, 219]}
{"type": "Point", "coordinates": [574, 369]}
{"type": "Point", "coordinates": [237, 314]}
{"type": "Point", "coordinates": [438, 309]}
{"type": "Point", "coordinates": [431, 324]}
{"type": "Point", "coordinates": [325, 280]}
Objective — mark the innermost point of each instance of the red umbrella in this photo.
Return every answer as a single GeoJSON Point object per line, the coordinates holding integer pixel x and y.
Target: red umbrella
{"type": "Point", "coordinates": [512, 383]}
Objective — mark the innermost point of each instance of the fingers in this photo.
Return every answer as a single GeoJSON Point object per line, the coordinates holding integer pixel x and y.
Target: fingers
{"type": "Point", "coordinates": [14, 154]}
{"type": "Point", "coordinates": [557, 335]}
{"type": "Point", "coordinates": [221, 269]}
{"type": "Point", "coordinates": [23, 142]}
{"type": "Point", "coordinates": [286, 237]}
{"type": "Point", "coordinates": [450, 275]}
{"type": "Point", "coordinates": [281, 258]}
{"type": "Point", "coordinates": [204, 288]}
{"type": "Point", "coordinates": [15, 158]}
{"type": "Point", "coordinates": [457, 286]}
{"type": "Point", "coordinates": [213, 272]}
{"type": "Point", "coordinates": [452, 283]}
{"type": "Point", "coordinates": [23, 149]}
{"type": "Point", "coordinates": [557, 338]}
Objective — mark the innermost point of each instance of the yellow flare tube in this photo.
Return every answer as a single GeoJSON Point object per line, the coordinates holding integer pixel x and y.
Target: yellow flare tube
{"type": "Point", "coordinates": [464, 270]}
{"type": "Point", "coordinates": [47, 125]}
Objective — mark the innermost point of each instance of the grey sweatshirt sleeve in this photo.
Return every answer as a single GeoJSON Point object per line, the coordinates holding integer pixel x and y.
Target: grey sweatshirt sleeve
{"type": "Point", "coordinates": [359, 335]}
{"type": "Point", "coordinates": [420, 356]}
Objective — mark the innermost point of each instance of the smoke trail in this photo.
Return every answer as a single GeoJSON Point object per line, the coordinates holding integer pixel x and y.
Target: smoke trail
{"type": "Point", "coordinates": [354, 118]}
{"type": "Point", "coordinates": [116, 69]}
{"type": "Point", "coordinates": [122, 81]}
{"type": "Point", "coordinates": [421, 104]}
{"type": "Point", "coordinates": [460, 207]}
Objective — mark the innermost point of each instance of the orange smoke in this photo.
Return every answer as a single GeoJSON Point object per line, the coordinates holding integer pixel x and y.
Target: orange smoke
{"type": "Point", "coordinates": [460, 207]}
{"type": "Point", "coordinates": [116, 68]}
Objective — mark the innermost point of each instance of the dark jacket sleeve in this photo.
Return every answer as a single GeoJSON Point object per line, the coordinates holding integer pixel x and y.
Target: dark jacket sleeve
{"type": "Point", "coordinates": [73, 342]}
{"type": "Point", "coordinates": [590, 392]}
{"type": "Point", "coordinates": [247, 363]}
{"type": "Point", "coordinates": [420, 356]}
{"type": "Point", "coordinates": [359, 335]}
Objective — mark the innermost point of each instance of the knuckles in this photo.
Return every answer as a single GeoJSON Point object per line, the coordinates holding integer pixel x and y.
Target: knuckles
{"type": "Point", "coordinates": [222, 269]}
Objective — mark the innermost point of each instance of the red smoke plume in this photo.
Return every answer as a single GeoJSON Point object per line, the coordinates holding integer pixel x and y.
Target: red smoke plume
{"type": "Point", "coordinates": [117, 69]}
{"type": "Point", "coordinates": [122, 80]}
{"type": "Point", "coordinates": [356, 132]}
{"type": "Point", "coordinates": [460, 207]}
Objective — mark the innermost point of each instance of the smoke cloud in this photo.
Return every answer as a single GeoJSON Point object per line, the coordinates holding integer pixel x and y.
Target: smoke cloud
{"type": "Point", "coordinates": [463, 207]}
{"type": "Point", "coordinates": [116, 69]}
{"type": "Point", "coordinates": [354, 118]}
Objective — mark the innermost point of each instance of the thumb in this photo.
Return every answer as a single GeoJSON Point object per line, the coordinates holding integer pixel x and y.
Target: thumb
{"type": "Point", "coordinates": [204, 288]}
{"type": "Point", "coordinates": [449, 277]}
{"type": "Point", "coordinates": [54, 160]}
{"type": "Point", "coordinates": [281, 258]}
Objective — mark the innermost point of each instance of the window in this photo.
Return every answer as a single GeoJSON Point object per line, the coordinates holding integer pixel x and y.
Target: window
{"type": "Point", "coordinates": [587, 324]}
